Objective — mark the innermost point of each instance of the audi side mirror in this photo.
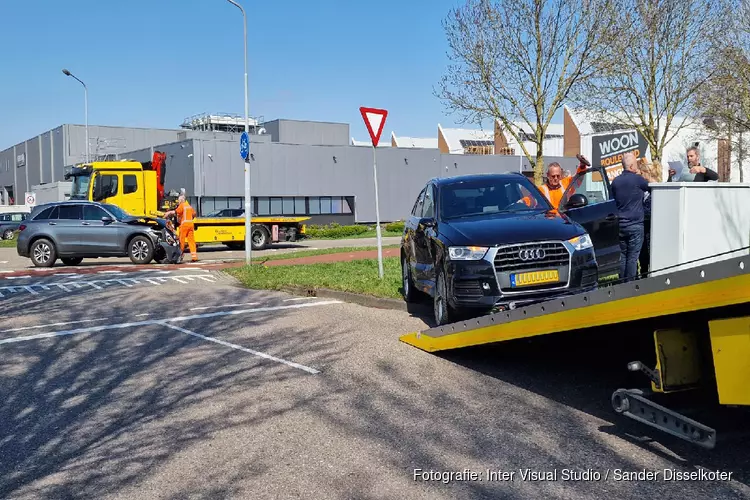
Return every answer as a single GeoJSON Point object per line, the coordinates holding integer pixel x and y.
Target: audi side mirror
{"type": "Point", "coordinates": [578, 200]}
{"type": "Point", "coordinates": [427, 222]}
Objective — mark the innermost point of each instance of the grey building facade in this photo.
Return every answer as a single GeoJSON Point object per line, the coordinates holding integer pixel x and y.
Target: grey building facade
{"type": "Point", "coordinates": [297, 168]}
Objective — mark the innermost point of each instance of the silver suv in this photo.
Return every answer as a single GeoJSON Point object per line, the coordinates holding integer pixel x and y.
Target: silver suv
{"type": "Point", "coordinates": [74, 230]}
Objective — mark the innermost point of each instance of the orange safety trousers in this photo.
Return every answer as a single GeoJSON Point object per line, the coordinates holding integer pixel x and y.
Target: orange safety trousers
{"type": "Point", "coordinates": [187, 234]}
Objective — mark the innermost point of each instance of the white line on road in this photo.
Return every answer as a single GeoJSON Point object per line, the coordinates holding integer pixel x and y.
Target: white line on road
{"type": "Point", "coordinates": [31, 290]}
{"type": "Point", "coordinates": [101, 328]}
{"type": "Point", "coordinates": [65, 274]}
{"type": "Point", "coordinates": [17, 277]}
{"type": "Point", "coordinates": [243, 349]}
{"type": "Point", "coordinates": [110, 272]}
{"type": "Point", "coordinates": [300, 298]}
{"type": "Point", "coordinates": [223, 305]}
{"type": "Point", "coordinates": [141, 315]}
{"type": "Point", "coordinates": [51, 324]}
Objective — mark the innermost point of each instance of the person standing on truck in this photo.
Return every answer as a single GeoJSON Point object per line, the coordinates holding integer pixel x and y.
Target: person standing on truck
{"type": "Point", "coordinates": [628, 190]}
{"type": "Point", "coordinates": [185, 216]}
{"type": "Point", "coordinates": [556, 184]}
{"type": "Point", "coordinates": [700, 173]}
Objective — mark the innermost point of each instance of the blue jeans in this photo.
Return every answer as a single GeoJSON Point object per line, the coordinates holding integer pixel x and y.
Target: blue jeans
{"type": "Point", "coordinates": [631, 242]}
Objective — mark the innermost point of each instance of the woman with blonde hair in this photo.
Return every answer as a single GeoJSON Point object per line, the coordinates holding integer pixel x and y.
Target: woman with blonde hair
{"type": "Point", "coordinates": [651, 171]}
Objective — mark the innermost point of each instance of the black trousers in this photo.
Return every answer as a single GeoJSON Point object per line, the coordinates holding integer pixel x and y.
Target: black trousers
{"type": "Point", "coordinates": [645, 255]}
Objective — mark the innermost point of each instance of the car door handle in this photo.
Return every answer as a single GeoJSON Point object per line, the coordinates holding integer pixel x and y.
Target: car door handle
{"type": "Point", "coordinates": [53, 223]}
{"type": "Point", "coordinates": [611, 218]}
{"type": "Point", "coordinates": [85, 223]}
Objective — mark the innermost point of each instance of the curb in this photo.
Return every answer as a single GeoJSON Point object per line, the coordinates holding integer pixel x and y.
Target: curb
{"type": "Point", "coordinates": [356, 298]}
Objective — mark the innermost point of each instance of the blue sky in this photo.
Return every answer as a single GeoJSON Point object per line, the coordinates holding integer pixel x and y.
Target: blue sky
{"type": "Point", "coordinates": [153, 63]}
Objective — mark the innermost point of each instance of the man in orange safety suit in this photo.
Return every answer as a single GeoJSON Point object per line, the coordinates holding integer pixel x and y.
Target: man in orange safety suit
{"type": "Point", "coordinates": [185, 215]}
{"type": "Point", "coordinates": [556, 184]}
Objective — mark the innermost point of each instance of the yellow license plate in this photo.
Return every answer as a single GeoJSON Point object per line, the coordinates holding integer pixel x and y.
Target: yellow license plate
{"type": "Point", "coordinates": [534, 278]}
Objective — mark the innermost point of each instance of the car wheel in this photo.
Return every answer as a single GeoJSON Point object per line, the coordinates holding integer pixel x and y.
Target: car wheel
{"type": "Point", "coordinates": [71, 261]}
{"type": "Point", "coordinates": [140, 250]}
{"type": "Point", "coordinates": [259, 237]}
{"type": "Point", "coordinates": [43, 253]}
{"type": "Point", "coordinates": [8, 234]}
{"type": "Point", "coordinates": [442, 311]}
{"type": "Point", "coordinates": [408, 290]}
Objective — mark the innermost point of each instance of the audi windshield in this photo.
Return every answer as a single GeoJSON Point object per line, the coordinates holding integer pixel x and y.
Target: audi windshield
{"type": "Point", "coordinates": [490, 196]}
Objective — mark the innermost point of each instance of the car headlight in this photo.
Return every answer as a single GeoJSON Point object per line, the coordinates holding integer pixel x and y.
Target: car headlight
{"type": "Point", "coordinates": [581, 242]}
{"type": "Point", "coordinates": [466, 253]}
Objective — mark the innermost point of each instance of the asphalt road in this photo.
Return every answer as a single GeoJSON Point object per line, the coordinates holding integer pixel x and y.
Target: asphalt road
{"type": "Point", "coordinates": [176, 387]}
{"type": "Point", "coordinates": [10, 260]}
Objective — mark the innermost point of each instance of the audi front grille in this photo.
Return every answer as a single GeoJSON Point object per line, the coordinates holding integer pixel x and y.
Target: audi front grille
{"type": "Point", "coordinates": [531, 256]}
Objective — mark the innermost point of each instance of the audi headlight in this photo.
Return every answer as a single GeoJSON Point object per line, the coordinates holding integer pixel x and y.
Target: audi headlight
{"type": "Point", "coordinates": [466, 253]}
{"type": "Point", "coordinates": [581, 242]}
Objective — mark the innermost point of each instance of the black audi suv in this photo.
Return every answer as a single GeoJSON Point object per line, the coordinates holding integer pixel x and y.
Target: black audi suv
{"type": "Point", "coordinates": [477, 242]}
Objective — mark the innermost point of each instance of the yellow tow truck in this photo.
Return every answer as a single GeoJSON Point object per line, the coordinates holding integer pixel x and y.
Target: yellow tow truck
{"type": "Point", "coordinates": [138, 188]}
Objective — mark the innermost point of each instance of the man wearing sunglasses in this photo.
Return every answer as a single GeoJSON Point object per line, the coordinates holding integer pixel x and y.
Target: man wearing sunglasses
{"type": "Point", "coordinates": [556, 183]}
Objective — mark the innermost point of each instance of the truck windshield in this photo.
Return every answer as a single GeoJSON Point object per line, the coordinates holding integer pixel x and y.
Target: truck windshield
{"type": "Point", "coordinates": [490, 196]}
{"type": "Point", "coordinates": [80, 188]}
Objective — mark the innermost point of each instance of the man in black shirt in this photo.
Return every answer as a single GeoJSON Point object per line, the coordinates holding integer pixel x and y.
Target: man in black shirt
{"type": "Point", "coordinates": [702, 174]}
{"type": "Point", "coordinates": [627, 190]}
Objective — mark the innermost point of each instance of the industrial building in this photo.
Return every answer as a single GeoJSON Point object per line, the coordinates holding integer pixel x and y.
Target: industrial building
{"type": "Point", "coordinates": [297, 167]}
{"type": "Point", "coordinates": [317, 169]}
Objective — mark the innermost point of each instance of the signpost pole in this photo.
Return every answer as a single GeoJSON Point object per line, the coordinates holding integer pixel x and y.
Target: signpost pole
{"type": "Point", "coordinates": [377, 213]}
{"type": "Point", "coordinates": [374, 121]}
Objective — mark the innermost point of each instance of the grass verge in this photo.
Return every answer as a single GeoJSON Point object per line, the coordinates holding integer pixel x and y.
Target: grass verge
{"type": "Point", "coordinates": [311, 253]}
{"type": "Point", "coordinates": [368, 234]}
{"type": "Point", "coordinates": [8, 243]}
{"type": "Point", "coordinates": [359, 276]}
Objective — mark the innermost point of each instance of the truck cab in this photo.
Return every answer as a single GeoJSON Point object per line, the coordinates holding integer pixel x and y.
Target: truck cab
{"type": "Point", "coordinates": [125, 184]}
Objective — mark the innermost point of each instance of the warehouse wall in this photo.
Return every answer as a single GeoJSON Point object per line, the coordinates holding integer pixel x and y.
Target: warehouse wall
{"type": "Point", "coordinates": [296, 170]}
{"type": "Point", "coordinates": [309, 133]}
{"type": "Point", "coordinates": [111, 140]}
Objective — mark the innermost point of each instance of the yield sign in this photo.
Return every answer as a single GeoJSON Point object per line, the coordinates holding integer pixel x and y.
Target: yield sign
{"type": "Point", "coordinates": [374, 120]}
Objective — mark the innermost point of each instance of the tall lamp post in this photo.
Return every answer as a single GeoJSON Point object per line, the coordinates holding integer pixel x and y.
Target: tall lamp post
{"type": "Point", "coordinates": [85, 108]}
{"type": "Point", "coordinates": [248, 202]}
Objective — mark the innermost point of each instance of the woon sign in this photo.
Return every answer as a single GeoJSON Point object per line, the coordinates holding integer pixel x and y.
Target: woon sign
{"type": "Point", "coordinates": [607, 150]}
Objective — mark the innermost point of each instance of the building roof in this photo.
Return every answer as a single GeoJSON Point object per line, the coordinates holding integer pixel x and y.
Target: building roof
{"type": "Point", "coordinates": [554, 130]}
{"type": "Point", "coordinates": [414, 142]}
{"type": "Point", "coordinates": [590, 122]}
{"type": "Point", "coordinates": [381, 143]}
{"type": "Point", "coordinates": [459, 138]}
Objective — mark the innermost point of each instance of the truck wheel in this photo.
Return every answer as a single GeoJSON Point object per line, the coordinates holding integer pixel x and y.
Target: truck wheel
{"type": "Point", "coordinates": [71, 261]}
{"type": "Point", "coordinates": [259, 237]}
{"type": "Point", "coordinates": [140, 250]}
{"type": "Point", "coordinates": [8, 234]}
{"type": "Point", "coordinates": [43, 253]}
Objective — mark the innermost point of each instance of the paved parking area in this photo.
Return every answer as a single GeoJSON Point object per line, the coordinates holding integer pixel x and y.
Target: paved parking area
{"type": "Point", "coordinates": [208, 390]}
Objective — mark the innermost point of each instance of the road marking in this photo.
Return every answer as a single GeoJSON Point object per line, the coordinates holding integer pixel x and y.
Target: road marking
{"type": "Point", "coordinates": [3, 261]}
{"type": "Point", "coordinates": [123, 282]}
{"type": "Point", "coordinates": [300, 298]}
{"type": "Point", "coordinates": [65, 274]}
{"type": "Point", "coordinates": [17, 277]}
{"type": "Point", "coordinates": [243, 349]}
{"type": "Point", "coordinates": [23, 328]}
{"type": "Point", "coordinates": [31, 290]}
{"type": "Point", "coordinates": [109, 272]}
{"type": "Point", "coordinates": [223, 305]}
{"type": "Point", "coordinates": [93, 284]}
{"type": "Point", "coordinates": [98, 284]}
{"type": "Point", "coordinates": [141, 315]}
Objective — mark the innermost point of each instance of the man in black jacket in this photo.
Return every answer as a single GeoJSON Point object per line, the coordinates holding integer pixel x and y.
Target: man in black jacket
{"type": "Point", "coordinates": [628, 189]}
{"type": "Point", "coordinates": [702, 174]}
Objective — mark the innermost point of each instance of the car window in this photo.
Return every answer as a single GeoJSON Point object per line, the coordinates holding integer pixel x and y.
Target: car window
{"type": "Point", "coordinates": [428, 207]}
{"type": "Point", "coordinates": [47, 214]}
{"type": "Point", "coordinates": [416, 211]}
{"type": "Point", "coordinates": [4, 217]}
{"type": "Point", "coordinates": [17, 217]}
{"type": "Point", "coordinates": [92, 212]}
{"type": "Point", "coordinates": [591, 184]}
{"type": "Point", "coordinates": [118, 212]}
{"type": "Point", "coordinates": [129, 184]}
{"type": "Point", "coordinates": [69, 212]}
{"type": "Point", "coordinates": [489, 196]}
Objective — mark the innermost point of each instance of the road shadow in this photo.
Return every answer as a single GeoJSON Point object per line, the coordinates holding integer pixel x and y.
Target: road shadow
{"type": "Point", "coordinates": [93, 414]}
{"type": "Point", "coordinates": [581, 369]}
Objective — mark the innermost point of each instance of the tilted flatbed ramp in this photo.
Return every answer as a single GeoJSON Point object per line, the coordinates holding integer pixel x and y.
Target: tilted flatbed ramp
{"type": "Point", "coordinates": [714, 285]}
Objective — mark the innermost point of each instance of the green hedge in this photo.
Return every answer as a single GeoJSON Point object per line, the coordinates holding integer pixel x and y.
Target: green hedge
{"type": "Point", "coordinates": [334, 230]}
{"type": "Point", "coordinates": [395, 227]}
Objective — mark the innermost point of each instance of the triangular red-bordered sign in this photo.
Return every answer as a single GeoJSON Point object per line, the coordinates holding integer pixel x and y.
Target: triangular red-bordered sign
{"type": "Point", "coordinates": [375, 121]}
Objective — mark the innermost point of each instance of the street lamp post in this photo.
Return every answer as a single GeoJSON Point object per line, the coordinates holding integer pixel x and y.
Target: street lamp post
{"type": "Point", "coordinates": [248, 202]}
{"type": "Point", "coordinates": [85, 108]}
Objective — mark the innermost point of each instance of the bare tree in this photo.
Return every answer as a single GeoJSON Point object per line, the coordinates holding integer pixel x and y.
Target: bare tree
{"type": "Point", "coordinates": [661, 65]}
{"type": "Point", "coordinates": [519, 60]}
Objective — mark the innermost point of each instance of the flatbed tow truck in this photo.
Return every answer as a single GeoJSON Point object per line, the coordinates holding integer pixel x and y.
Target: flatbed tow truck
{"type": "Point", "coordinates": [138, 188]}
{"type": "Point", "coordinates": [699, 318]}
